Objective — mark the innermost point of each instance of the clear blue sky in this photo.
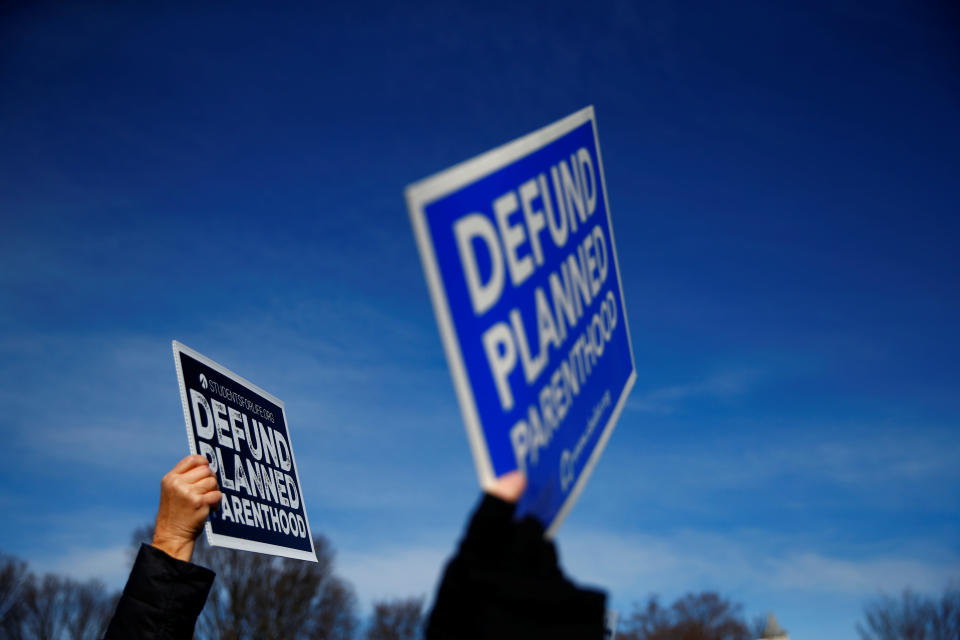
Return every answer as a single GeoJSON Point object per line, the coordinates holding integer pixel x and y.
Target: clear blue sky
{"type": "Point", "coordinates": [784, 186]}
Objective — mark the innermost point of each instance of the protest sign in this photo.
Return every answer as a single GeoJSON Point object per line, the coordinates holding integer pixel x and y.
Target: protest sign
{"type": "Point", "coordinates": [517, 248]}
{"type": "Point", "coordinates": [242, 431]}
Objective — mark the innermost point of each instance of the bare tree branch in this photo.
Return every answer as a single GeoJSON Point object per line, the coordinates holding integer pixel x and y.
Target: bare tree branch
{"type": "Point", "coordinates": [700, 616]}
{"type": "Point", "coordinates": [399, 619]}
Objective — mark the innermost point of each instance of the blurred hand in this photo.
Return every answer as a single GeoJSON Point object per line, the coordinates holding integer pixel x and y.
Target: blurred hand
{"type": "Point", "coordinates": [187, 493]}
{"type": "Point", "coordinates": [509, 487]}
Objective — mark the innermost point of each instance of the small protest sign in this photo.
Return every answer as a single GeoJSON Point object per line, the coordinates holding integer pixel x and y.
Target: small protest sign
{"type": "Point", "coordinates": [518, 252]}
{"type": "Point", "coordinates": [243, 433]}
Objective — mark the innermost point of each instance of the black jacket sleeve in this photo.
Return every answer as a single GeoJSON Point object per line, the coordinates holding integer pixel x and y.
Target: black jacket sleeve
{"type": "Point", "coordinates": [505, 582]}
{"type": "Point", "coordinates": [162, 600]}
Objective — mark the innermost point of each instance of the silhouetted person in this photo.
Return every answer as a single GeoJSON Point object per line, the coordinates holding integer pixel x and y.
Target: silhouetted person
{"type": "Point", "coordinates": [504, 581]}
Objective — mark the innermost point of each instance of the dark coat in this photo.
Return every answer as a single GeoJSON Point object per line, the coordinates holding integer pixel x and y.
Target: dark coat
{"type": "Point", "coordinates": [162, 600]}
{"type": "Point", "coordinates": [505, 583]}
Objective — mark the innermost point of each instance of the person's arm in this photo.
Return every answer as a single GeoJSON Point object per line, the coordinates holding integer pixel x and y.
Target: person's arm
{"type": "Point", "coordinates": [505, 582]}
{"type": "Point", "coordinates": [165, 593]}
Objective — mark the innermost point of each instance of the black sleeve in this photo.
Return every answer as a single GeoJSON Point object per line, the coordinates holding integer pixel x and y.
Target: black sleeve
{"type": "Point", "coordinates": [162, 600]}
{"type": "Point", "coordinates": [505, 582]}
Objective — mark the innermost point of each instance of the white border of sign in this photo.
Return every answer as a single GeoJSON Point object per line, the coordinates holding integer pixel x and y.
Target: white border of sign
{"type": "Point", "coordinates": [217, 539]}
{"type": "Point", "coordinates": [423, 192]}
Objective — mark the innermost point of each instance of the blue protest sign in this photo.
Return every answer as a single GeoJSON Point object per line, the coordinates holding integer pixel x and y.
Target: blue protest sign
{"type": "Point", "coordinates": [517, 247]}
{"type": "Point", "coordinates": [242, 431]}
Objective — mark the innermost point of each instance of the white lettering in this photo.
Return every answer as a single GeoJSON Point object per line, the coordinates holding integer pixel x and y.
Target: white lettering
{"type": "Point", "coordinates": [585, 163]}
{"type": "Point", "coordinates": [283, 452]}
{"type": "Point", "coordinates": [225, 481]}
{"type": "Point", "coordinates": [292, 490]}
{"type": "Point", "coordinates": [531, 367]}
{"type": "Point", "coordinates": [225, 512]}
{"type": "Point", "coordinates": [236, 426]}
{"type": "Point", "coordinates": [520, 437]}
{"type": "Point", "coordinates": [206, 450]}
{"type": "Point", "coordinates": [204, 423]}
{"type": "Point", "coordinates": [512, 236]}
{"type": "Point", "coordinates": [502, 357]}
{"type": "Point", "coordinates": [533, 217]}
{"type": "Point", "coordinates": [477, 226]}
{"type": "Point", "coordinates": [559, 229]}
{"type": "Point", "coordinates": [255, 450]}
{"type": "Point", "coordinates": [223, 427]}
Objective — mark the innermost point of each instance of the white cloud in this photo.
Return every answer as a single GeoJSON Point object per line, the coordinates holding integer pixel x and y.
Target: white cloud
{"type": "Point", "coordinates": [111, 446]}
{"type": "Point", "coordinates": [885, 464]}
{"type": "Point", "coordinates": [111, 565]}
{"type": "Point", "coordinates": [635, 565]}
{"type": "Point", "coordinates": [666, 400]}
{"type": "Point", "coordinates": [393, 572]}
{"type": "Point", "coordinates": [875, 466]}
{"type": "Point", "coordinates": [812, 571]}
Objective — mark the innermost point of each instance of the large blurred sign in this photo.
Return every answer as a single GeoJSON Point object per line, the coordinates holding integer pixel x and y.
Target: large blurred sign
{"type": "Point", "coordinates": [518, 251]}
{"type": "Point", "coordinates": [242, 431]}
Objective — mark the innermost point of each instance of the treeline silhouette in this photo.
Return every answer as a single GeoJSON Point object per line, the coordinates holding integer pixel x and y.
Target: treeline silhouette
{"type": "Point", "coordinates": [254, 596]}
{"type": "Point", "coordinates": [51, 607]}
{"type": "Point", "coordinates": [695, 616]}
{"type": "Point", "coordinates": [264, 597]}
{"type": "Point", "coordinates": [913, 616]}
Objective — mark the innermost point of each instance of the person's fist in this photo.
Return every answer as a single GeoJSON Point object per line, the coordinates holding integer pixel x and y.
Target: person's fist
{"type": "Point", "coordinates": [187, 494]}
{"type": "Point", "coordinates": [508, 487]}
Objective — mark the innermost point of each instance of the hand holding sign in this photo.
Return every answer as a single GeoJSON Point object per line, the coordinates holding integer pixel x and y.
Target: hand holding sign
{"type": "Point", "coordinates": [187, 493]}
{"type": "Point", "coordinates": [508, 487]}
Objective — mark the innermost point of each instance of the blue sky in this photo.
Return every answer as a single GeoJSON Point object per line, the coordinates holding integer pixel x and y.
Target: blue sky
{"type": "Point", "coordinates": [783, 185]}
